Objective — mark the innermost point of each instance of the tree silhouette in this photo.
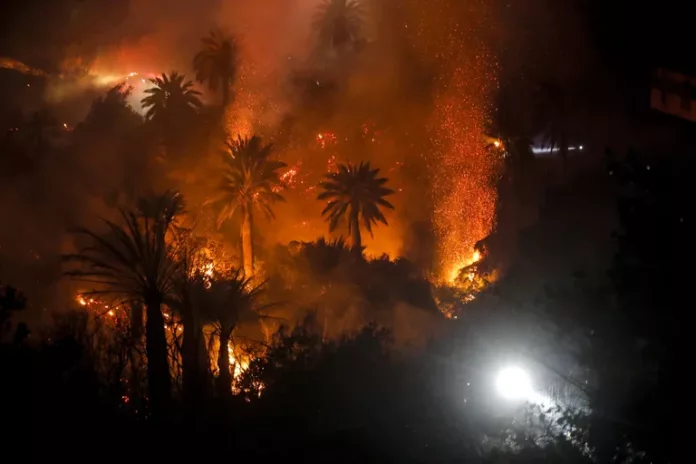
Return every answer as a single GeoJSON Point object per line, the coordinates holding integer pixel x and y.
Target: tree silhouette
{"type": "Point", "coordinates": [250, 180]}
{"type": "Point", "coordinates": [322, 256]}
{"type": "Point", "coordinates": [338, 23]}
{"type": "Point", "coordinates": [111, 111]}
{"type": "Point", "coordinates": [185, 303]}
{"type": "Point", "coordinates": [172, 98]}
{"type": "Point", "coordinates": [225, 303]}
{"type": "Point", "coordinates": [216, 63]}
{"type": "Point", "coordinates": [133, 261]}
{"type": "Point", "coordinates": [359, 193]}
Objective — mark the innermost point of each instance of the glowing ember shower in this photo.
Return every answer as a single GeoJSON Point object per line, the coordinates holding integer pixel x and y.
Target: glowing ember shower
{"type": "Point", "coordinates": [462, 171]}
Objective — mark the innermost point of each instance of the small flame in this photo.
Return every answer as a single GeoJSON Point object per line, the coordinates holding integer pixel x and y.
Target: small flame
{"type": "Point", "coordinates": [460, 264]}
{"type": "Point", "coordinates": [477, 257]}
{"type": "Point", "coordinates": [239, 366]}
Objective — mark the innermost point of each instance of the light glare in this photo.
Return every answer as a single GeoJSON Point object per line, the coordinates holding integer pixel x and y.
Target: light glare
{"type": "Point", "coordinates": [513, 383]}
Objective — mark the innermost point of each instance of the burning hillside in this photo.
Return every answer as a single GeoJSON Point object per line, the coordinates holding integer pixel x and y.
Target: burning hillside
{"type": "Point", "coordinates": [320, 110]}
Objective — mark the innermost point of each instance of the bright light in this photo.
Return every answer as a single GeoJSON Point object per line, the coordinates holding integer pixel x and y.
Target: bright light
{"type": "Point", "coordinates": [513, 383]}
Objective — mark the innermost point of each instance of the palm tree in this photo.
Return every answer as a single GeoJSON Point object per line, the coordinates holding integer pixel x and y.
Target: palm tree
{"type": "Point", "coordinates": [338, 22]}
{"type": "Point", "coordinates": [191, 283]}
{"type": "Point", "coordinates": [134, 262]}
{"type": "Point", "coordinates": [225, 303]}
{"type": "Point", "coordinates": [250, 181]}
{"type": "Point", "coordinates": [357, 191]}
{"type": "Point", "coordinates": [171, 98]}
{"type": "Point", "coordinates": [216, 63]}
{"type": "Point", "coordinates": [165, 208]}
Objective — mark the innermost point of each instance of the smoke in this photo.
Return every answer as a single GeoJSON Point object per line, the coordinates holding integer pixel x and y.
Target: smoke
{"type": "Point", "coordinates": [391, 103]}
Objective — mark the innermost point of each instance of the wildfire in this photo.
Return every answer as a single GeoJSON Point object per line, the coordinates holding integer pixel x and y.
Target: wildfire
{"type": "Point", "coordinates": [253, 106]}
{"type": "Point", "coordinates": [238, 124]}
{"type": "Point", "coordinates": [210, 262]}
{"type": "Point", "coordinates": [326, 139]}
{"type": "Point", "coordinates": [238, 366]}
{"type": "Point", "coordinates": [239, 359]}
{"type": "Point", "coordinates": [453, 272]}
{"type": "Point", "coordinates": [9, 63]}
{"type": "Point", "coordinates": [208, 271]}
{"type": "Point", "coordinates": [331, 164]}
{"type": "Point", "coordinates": [288, 179]}
{"type": "Point", "coordinates": [462, 171]}
{"type": "Point", "coordinates": [99, 307]}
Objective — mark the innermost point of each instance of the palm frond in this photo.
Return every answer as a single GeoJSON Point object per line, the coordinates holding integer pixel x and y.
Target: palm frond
{"type": "Point", "coordinates": [250, 179]}
{"type": "Point", "coordinates": [170, 96]}
{"type": "Point", "coordinates": [132, 258]}
{"type": "Point", "coordinates": [355, 190]}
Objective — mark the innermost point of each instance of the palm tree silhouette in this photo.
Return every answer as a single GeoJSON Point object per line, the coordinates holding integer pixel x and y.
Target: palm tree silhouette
{"type": "Point", "coordinates": [250, 181]}
{"type": "Point", "coordinates": [171, 98]}
{"type": "Point", "coordinates": [225, 303]}
{"type": "Point", "coordinates": [338, 23]}
{"type": "Point", "coordinates": [133, 261]}
{"type": "Point", "coordinates": [357, 192]}
{"type": "Point", "coordinates": [216, 63]}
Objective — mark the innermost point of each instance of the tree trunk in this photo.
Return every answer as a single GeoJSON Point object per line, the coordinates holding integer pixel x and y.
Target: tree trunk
{"type": "Point", "coordinates": [355, 231]}
{"type": "Point", "coordinates": [247, 244]}
{"type": "Point", "coordinates": [224, 375]}
{"type": "Point", "coordinates": [192, 381]}
{"type": "Point", "coordinates": [159, 381]}
{"type": "Point", "coordinates": [136, 333]}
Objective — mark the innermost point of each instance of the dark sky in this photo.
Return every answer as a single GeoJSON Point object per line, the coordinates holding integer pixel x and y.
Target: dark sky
{"type": "Point", "coordinates": [630, 33]}
{"type": "Point", "coordinates": [626, 34]}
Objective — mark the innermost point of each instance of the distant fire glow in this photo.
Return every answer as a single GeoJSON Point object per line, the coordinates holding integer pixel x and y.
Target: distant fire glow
{"type": "Point", "coordinates": [9, 63]}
